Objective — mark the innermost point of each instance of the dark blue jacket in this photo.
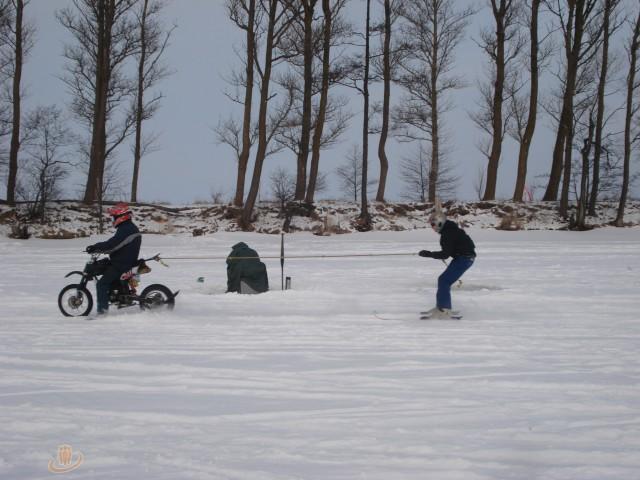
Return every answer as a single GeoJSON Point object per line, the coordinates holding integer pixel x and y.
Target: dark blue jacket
{"type": "Point", "coordinates": [454, 242]}
{"type": "Point", "coordinates": [123, 248]}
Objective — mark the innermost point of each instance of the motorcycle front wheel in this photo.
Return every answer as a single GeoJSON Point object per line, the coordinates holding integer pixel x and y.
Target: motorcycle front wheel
{"type": "Point", "coordinates": [157, 296]}
{"type": "Point", "coordinates": [75, 301]}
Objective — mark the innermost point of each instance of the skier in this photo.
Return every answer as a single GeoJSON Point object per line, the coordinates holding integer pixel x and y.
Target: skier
{"type": "Point", "coordinates": [123, 249]}
{"type": "Point", "coordinates": [454, 243]}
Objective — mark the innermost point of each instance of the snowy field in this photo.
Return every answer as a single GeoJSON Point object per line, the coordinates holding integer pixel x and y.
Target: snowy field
{"type": "Point", "coordinates": [336, 378]}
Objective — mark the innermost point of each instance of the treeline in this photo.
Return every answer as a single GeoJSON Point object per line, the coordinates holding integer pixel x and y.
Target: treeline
{"type": "Point", "coordinates": [295, 61]}
{"type": "Point", "coordinates": [113, 62]}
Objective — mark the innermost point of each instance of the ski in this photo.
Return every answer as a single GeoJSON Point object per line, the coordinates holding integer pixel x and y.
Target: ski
{"type": "Point", "coordinates": [422, 316]}
{"type": "Point", "coordinates": [456, 316]}
{"type": "Point", "coordinates": [435, 314]}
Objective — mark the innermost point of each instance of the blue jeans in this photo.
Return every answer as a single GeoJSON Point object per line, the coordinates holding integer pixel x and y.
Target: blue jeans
{"type": "Point", "coordinates": [453, 272]}
{"type": "Point", "coordinates": [103, 287]}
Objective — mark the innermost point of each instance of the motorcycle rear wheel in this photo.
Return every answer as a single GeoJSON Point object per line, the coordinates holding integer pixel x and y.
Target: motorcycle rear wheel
{"type": "Point", "coordinates": [75, 301]}
{"type": "Point", "coordinates": [157, 296]}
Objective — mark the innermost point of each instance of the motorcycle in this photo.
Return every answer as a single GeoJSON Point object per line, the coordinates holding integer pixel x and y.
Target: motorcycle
{"type": "Point", "coordinates": [75, 300]}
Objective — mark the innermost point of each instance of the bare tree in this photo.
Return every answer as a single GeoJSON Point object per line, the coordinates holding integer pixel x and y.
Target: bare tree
{"type": "Point", "coordinates": [350, 174]}
{"type": "Point", "coordinates": [355, 73]}
{"type": "Point", "coordinates": [328, 14]}
{"type": "Point", "coordinates": [334, 29]}
{"type": "Point", "coordinates": [581, 207]}
{"type": "Point", "coordinates": [283, 186]}
{"type": "Point", "coordinates": [46, 164]}
{"type": "Point", "coordinates": [243, 14]}
{"type": "Point", "coordinates": [365, 217]}
{"type": "Point", "coordinates": [112, 186]}
{"type": "Point", "coordinates": [317, 119]}
{"type": "Point", "coordinates": [431, 32]}
{"type": "Point", "coordinates": [153, 42]}
{"type": "Point", "coordinates": [105, 37]}
{"type": "Point", "coordinates": [18, 37]}
{"type": "Point", "coordinates": [335, 123]}
{"type": "Point", "coordinates": [308, 11]}
{"type": "Point", "coordinates": [631, 112]}
{"type": "Point", "coordinates": [229, 132]}
{"type": "Point", "coordinates": [609, 25]}
{"type": "Point", "coordinates": [279, 17]}
{"type": "Point", "coordinates": [524, 107]}
{"type": "Point", "coordinates": [415, 174]}
{"type": "Point", "coordinates": [6, 64]}
{"type": "Point", "coordinates": [502, 47]}
{"type": "Point", "coordinates": [577, 21]}
{"type": "Point", "coordinates": [390, 16]}
{"type": "Point", "coordinates": [480, 181]}
{"type": "Point", "coordinates": [581, 133]}
{"type": "Point", "coordinates": [595, 138]}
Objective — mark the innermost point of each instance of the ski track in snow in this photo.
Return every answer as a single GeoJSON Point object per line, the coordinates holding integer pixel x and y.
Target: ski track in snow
{"type": "Point", "coordinates": [540, 380]}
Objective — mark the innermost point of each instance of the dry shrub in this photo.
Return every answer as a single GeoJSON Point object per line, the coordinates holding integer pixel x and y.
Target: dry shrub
{"type": "Point", "coordinates": [458, 211]}
{"type": "Point", "coordinates": [20, 232]}
{"type": "Point", "coordinates": [510, 222]}
{"type": "Point", "coordinates": [168, 228]}
{"type": "Point", "coordinates": [8, 217]}
{"type": "Point", "coordinates": [61, 234]}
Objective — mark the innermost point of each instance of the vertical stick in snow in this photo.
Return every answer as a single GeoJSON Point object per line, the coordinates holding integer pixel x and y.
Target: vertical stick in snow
{"type": "Point", "coordinates": [282, 261]}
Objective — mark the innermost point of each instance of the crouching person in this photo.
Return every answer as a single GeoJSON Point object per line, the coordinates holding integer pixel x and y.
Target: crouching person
{"type": "Point", "coordinates": [457, 244]}
{"type": "Point", "coordinates": [245, 272]}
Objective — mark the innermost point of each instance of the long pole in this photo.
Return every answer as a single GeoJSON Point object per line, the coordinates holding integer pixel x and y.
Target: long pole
{"type": "Point", "coordinates": [282, 261]}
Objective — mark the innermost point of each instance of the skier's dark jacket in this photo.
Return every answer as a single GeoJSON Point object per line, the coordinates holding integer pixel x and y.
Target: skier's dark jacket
{"type": "Point", "coordinates": [123, 248]}
{"type": "Point", "coordinates": [250, 270]}
{"type": "Point", "coordinates": [454, 242]}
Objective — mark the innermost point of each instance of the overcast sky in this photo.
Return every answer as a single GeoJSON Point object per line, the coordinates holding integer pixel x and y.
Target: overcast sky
{"type": "Point", "coordinates": [189, 165]}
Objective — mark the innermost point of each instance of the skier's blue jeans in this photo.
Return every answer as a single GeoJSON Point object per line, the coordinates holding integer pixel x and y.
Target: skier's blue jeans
{"type": "Point", "coordinates": [453, 272]}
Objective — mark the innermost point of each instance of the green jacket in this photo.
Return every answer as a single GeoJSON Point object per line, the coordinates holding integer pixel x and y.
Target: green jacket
{"type": "Point", "coordinates": [250, 270]}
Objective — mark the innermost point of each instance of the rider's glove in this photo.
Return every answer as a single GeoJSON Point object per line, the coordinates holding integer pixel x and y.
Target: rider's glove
{"type": "Point", "coordinates": [91, 249]}
{"type": "Point", "coordinates": [425, 253]}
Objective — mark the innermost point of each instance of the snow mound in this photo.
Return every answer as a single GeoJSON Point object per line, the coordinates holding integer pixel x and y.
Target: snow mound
{"type": "Point", "coordinates": [69, 219]}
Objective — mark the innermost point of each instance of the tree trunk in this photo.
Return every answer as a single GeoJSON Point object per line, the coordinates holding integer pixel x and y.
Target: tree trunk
{"type": "Point", "coordinates": [573, 45]}
{"type": "Point", "coordinates": [16, 103]}
{"type": "Point", "coordinates": [581, 210]}
{"type": "Point", "coordinates": [566, 173]}
{"type": "Point", "coordinates": [382, 154]}
{"type": "Point", "coordinates": [262, 118]}
{"type": "Point", "coordinates": [303, 151]}
{"type": "Point", "coordinates": [324, 96]}
{"type": "Point", "coordinates": [525, 145]}
{"type": "Point", "coordinates": [435, 153]}
{"type": "Point", "coordinates": [137, 153]}
{"type": "Point", "coordinates": [498, 93]}
{"type": "Point", "coordinates": [595, 185]}
{"type": "Point", "coordinates": [364, 211]}
{"type": "Point", "coordinates": [434, 170]}
{"type": "Point", "coordinates": [94, 184]}
{"type": "Point", "coordinates": [631, 87]}
{"type": "Point", "coordinates": [243, 159]}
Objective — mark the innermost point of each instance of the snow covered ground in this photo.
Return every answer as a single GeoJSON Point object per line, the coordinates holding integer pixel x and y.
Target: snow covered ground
{"type": "Point", "coordinates": [540, 380]}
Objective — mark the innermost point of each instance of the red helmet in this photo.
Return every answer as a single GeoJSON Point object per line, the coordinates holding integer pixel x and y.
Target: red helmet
{"type": "Point", "coordinates": [120, 213]}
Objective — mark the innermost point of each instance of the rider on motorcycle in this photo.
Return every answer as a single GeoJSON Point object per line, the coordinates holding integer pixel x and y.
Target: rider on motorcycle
{"type": "Point", "coordinates": [123, 249]}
